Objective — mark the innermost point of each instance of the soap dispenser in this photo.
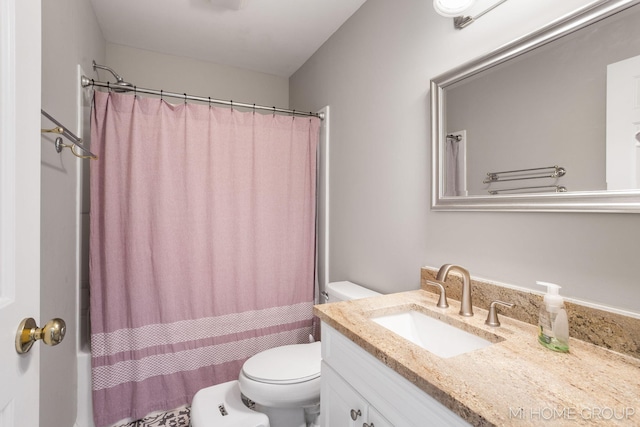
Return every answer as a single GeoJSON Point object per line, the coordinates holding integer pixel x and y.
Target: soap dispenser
{"type": "Point", "coordinates": [553, 322]}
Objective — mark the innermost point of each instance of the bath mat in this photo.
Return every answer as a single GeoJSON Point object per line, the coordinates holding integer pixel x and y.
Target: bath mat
{"type": "Point", "coordinates": [177, 418]}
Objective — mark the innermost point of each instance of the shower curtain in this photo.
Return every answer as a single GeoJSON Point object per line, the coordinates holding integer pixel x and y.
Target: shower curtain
{"type": "Point", "coordinates": [202, 237]}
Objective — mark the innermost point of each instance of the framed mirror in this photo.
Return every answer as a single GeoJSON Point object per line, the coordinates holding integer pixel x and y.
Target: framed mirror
{"type": "Point", "coordinates": [549, 122]}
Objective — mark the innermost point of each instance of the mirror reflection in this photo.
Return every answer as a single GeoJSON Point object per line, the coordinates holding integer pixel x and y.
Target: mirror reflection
{"type": "Point", "coordinates": [560, 118]}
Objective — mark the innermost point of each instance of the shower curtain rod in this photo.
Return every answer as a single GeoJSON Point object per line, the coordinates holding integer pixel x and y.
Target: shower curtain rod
{"type": "Point", "coordinates": [85, 81]}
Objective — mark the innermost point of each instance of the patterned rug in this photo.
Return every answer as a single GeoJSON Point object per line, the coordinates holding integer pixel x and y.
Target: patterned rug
{"type": "Point", "coordinates": [176, 418]}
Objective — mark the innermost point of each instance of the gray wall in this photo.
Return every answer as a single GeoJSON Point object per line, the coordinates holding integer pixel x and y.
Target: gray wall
{"type": "Point", "coordinates": [374, 73]}
{"type": "Point", "coordinates": [70, 36]}
{"type": "Point", "coordinates": [171, 73]}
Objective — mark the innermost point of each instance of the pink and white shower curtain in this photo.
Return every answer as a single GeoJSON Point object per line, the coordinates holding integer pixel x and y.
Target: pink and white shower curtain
{"type": "Point", "coordinates": [202, 242]}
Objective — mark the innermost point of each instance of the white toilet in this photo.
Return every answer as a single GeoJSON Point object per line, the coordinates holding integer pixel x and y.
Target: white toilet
{"type": "Point", "coordinates": [283, 382]}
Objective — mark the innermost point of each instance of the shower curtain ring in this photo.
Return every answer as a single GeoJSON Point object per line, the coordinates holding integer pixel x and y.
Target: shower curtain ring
{"type": "Point", "coordinates": [135, 92]}
{"type": "Point", "coordinates": [293, 115]}
{"type": "Point", "coordinates": [231, 105]}
{"type": "Point", "coordinates": [161, 99]}
{"type": "Point", "coordinates": [209, 102]}
{"type": "Point", "coordinates": [108, 86]}
{"type": "Point", "coordinates": [254, 109]}
{"type": "Point", "coordinates": [274, 112]}
{"type": "Point", "coordinates": [185, 98]}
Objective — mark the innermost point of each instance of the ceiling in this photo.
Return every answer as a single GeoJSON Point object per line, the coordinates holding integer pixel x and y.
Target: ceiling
{"type": "Point", "coordinates": [270, 36]}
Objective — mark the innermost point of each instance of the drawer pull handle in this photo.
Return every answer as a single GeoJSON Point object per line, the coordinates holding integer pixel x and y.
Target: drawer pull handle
{"type": "Point", "coordinates": [355, 414]}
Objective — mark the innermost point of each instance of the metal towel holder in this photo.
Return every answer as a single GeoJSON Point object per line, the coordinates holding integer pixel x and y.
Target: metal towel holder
{"type": "Point", "coordinates": [75, 141]}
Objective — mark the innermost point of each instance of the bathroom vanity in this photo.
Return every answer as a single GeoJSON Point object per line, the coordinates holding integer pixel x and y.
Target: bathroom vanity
{"type": "Point", "coordinates": [372, 376]}
{"type": "Point", "coordinates": [358, 389]}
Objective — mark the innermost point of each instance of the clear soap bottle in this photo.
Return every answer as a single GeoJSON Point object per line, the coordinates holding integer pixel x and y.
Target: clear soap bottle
{"type": "Point", "coordinates": [553, 323]}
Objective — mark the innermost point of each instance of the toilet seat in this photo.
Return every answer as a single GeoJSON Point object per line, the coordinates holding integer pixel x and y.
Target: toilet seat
{"type": "Point", "coordinates": [289, 364]}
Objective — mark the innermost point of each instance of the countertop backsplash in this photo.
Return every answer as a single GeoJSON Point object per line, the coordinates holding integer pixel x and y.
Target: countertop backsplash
{"type": "Point", "coordinates": [603, 328]}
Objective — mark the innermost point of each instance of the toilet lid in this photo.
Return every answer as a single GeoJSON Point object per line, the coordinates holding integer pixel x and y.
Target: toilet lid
{"type": "Point", "coordinates": [285, 365]}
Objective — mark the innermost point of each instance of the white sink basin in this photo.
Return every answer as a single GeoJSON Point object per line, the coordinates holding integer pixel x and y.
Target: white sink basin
{"type": "Point", "coordinates": [432, 334]}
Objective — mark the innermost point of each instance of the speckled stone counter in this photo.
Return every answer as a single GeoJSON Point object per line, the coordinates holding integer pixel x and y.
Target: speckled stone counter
{"type": "Point", "coordinates": [514, 381]}
{"type": "Point", "coordinates": [603, 328]}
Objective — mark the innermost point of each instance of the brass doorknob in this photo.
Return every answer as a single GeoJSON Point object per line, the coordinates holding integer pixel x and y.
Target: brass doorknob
{"type": "Point", "coordinates": [52, 333]}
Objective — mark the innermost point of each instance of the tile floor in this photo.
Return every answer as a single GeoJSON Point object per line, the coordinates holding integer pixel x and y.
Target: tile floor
{"type": "Point", "coordinates": [176, 418]}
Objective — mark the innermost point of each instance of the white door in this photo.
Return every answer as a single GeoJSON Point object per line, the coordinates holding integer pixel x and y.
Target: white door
{"type": "Point", "coordinates": [623, 122]}
{"type": "Point", "coordinates": [19, 206]}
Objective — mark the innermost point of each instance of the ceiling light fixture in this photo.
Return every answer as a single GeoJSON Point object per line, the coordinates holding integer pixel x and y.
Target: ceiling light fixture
{"type": "Point", "coordinates": [452, 8]}
{"type": "Point", "coordinates": [455, 8]}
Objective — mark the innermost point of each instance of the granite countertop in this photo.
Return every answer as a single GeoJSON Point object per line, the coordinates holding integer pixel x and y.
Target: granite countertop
{"type": "Point", "coordinates": [515, 381]}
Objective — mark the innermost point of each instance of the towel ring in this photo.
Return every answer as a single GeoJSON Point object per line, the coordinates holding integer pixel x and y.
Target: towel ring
{"type": "Point", "coordinates": [60, 145]}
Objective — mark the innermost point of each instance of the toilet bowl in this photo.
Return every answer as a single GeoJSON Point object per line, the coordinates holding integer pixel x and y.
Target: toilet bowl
{"type": "Point", "coordinates": [283, 382]}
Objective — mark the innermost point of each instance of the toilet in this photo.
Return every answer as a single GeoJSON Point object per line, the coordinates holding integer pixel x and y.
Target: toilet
{"type": "Point", "coordinates": [283, 383]}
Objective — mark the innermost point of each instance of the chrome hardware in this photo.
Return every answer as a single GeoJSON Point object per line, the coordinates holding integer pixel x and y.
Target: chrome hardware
{"type": "Point", "coordinates": [442, 301]}
{"type": "Point", "coordinates": [519, 174]}
{"type": "Point", "coordinates": [355, 414]}
{"type": "Point", "coordinates": [76, 143]}
{"type": "Point", "coordinates": [325, 296]}
{"type": "Point", "coordinates": [59, 144]}
{"type": "Point", "coordinates": [492, 317]}
{"type": "Point", "coordinates": [123, 86]}
{"type": "Point", "coordinates": [368, 425]}
{"type": "Point", "coordinates": [538, 188]}
{"type": "Point", "coordinates": [460, 22]}
{"type": "Point", "coordinates": [120, 85]}
{"type": "Point", "coordinates": [534, 173]}
{"type": "Point", "coordinates": [52, 333]}
{"type": "Point", "coordinates": [465, 303]}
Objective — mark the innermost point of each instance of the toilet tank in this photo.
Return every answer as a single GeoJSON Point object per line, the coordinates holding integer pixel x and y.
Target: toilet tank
{"type": "Point", "coordinates": [343, 291]}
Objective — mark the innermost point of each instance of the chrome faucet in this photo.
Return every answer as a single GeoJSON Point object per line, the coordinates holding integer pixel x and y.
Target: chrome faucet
{"type": "Point", "coordinates": [465, 303]}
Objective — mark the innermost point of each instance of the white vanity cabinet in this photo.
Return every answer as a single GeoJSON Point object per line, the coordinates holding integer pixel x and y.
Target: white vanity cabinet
{"type": "Point", "coordinates": [343, 406]}
{"type": "Point", "coordinates": [357, 385]}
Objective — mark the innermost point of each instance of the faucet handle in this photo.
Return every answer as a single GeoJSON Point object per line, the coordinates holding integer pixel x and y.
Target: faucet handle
{"type": "Point", "coordinates": [492, 317]}
{"type": "Point", "coordinates": [442, 301]}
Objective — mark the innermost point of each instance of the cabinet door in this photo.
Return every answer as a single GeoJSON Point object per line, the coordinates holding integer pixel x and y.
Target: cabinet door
{"type": "Point", "coordinates": [377, 420]}
{"type": "Point", "coordinates": [340, 402]}
{"type": "Point", "coordinates": [400, 401]}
